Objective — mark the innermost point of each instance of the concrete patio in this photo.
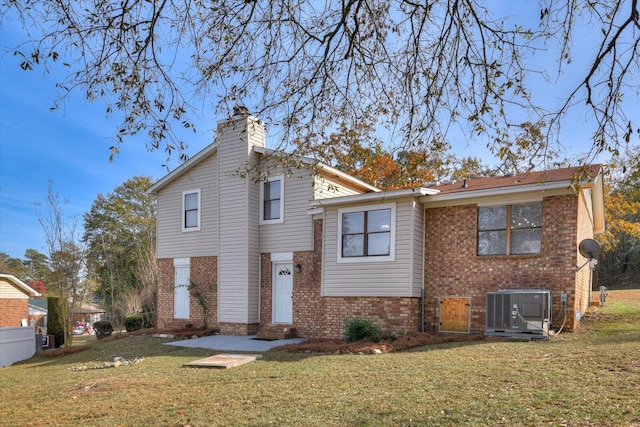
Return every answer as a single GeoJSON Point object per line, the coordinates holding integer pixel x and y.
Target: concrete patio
{"type": "Point", "coordinates": [233, 343]}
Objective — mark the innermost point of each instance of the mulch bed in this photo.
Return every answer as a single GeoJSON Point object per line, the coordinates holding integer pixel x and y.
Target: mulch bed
{"type": "Point", "coordinates": [404, 342]}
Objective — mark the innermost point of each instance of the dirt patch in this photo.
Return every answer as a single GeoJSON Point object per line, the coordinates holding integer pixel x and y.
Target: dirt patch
{"type": "Point", "coordinates": [56, 352]}
{"type": "Point", "coordinates": [404, 342]}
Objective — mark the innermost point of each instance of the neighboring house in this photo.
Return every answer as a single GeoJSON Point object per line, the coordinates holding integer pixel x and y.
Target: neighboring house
{"type": "Point", "coordinates": [87, 312]}
{"type": "Point", "coordinates": [17, 337]}
{"type": "Point", "coordinates": [38, 310]}
{"type": "Point", "coordinates": [14, 301]}
{"type": "Point", "coordinates": [307, 248]}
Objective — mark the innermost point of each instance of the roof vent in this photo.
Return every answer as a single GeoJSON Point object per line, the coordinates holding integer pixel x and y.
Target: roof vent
{"type": "Point", "coordinates": [464, 184]}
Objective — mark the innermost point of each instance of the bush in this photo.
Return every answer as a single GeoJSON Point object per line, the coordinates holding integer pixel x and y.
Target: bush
{"type": "Point", "coordinates": [103, 328]}
{"type": "Point", "coordinates": [138, 321]}
{"type": "Point", "coordinates": [360, 329]}
{"type": "Point", "coordinates": [55, 326]}
{"type": "Point", "coordinates": [133, 322]}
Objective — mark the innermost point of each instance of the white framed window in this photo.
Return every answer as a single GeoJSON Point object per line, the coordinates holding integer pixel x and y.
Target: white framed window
{"type": "Point", "coordinates": [367, 234]}
{"type": "Point", "coordinates": [272, 200]}
{"type": "Point", "coordinates": [191, 210]}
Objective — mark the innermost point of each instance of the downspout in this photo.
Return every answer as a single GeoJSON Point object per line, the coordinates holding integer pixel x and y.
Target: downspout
{"type": "Point", "coordinates": [424, 264]}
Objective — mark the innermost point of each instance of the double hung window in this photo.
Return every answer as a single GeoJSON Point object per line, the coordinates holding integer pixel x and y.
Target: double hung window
{"type": "Point", "coordinates": [191, 210]}
{"type": "Point", "coordinates": [272, 200]}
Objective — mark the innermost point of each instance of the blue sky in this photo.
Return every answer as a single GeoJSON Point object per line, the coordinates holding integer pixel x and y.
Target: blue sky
{"type": "Point", "coordinates": [70, 146]}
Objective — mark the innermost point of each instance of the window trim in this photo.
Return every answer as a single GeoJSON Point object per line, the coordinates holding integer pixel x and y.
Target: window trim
{"type": "Point", "coordinates": [368, 258]}
{"type": "Point", "coordinates": [508, 229]}
{"type": "Point", "coordinates": [279, 220]}
{"type": "Point", "coordinates": [186, 229]}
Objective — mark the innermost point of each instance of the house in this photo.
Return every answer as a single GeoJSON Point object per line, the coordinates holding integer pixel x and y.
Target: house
{"type": "Point", "coordinates": [274, 250]}
{"type": "Point", "coordinates": [38, 311]}
{"type": "Point", "coordinates": [17, 337]}
{"type": "Point", "coordinates": [14, 301]}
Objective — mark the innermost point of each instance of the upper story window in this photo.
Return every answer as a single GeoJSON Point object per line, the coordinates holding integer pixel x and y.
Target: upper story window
{"type": "Point", "coordinates": [510, 230]}
{"type": "Point", "coordinates": [191, 210]}
{"type": "Point", "coordinates": [366, 235]}
{"type": "Point", "coordinates": [272, 200]}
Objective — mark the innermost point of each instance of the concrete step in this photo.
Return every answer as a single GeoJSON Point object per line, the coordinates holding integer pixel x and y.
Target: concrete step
{"type": "Point", "coordinates": [271, 332]}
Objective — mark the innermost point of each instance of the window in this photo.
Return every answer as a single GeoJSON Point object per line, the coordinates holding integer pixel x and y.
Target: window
{"type": "Point", "coordinates": [366, 235]}
{"type": "Point", "coordinates": [191, 210]}
{"type": "Point", "coordinates": [272, 200]}
{"type": "Point", "coordinates": [510, 230]}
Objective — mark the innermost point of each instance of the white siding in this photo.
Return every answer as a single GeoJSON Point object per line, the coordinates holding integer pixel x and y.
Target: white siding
{"type": "Point", "coordinates": [327, 187]}
{"type": "Point", "coordinates": [9, 291]}
{"type": "Point", "coordinates": [296, 232]}
{"type": "Point", "coordinates": [238, 266]}
{"type": "Point", "coordinates": [393, 278]}
{"type": "Point", "coordinates": [172, 242]}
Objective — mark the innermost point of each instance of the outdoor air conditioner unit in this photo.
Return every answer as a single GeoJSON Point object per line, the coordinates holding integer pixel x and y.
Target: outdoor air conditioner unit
{"type": "Point", "coordinates": [521, 313]}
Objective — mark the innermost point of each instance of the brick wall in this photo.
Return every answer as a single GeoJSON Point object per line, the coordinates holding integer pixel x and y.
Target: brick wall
{"type": "Point", "coordinates": [164, 314]}
{"type": "Point", "coordinates": [453, 268]}
{"type": "Point", "coordinates": [12, 311]}
{"type": "Point", "coordinates": [204, 273]}
{"type": "Point", "coordinates": [583, 277]}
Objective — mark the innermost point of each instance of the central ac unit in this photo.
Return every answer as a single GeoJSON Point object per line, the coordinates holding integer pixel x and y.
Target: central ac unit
{"type": "Point", "coordinates": [516, 312]}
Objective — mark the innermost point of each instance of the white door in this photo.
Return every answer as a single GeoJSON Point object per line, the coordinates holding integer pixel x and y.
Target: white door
{"type": "Point", "coordinates": [282, 293]}
{"type": "Point", "coordinates": [181, 304]}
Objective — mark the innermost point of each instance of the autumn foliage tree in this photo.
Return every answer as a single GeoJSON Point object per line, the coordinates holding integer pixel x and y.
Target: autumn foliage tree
{"type": "Point", "coordinates": [619, 263]}
{"type": "Point", "coordinates": [355, 151]}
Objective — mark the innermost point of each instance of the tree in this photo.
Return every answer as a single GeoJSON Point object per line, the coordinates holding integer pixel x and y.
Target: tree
{"type": "Point", "coordinates": [66, 258]}
{"type": "Point", "coordinates": [619, 263]}
{"type": "Point", "coordinates": [120, 235]}
{"type": "Point", "coordinates": [11, 265]}
{"type": "Point", "coordinates": [416, 68]}
{"type": "Point", "coordinates": [37, 265]}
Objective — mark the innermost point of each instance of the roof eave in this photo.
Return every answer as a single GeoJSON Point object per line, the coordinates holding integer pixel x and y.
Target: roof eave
{"type": "Point", "coordinates": [497, 191]}
{"type": "Point", "coordinates": [20, 284]}
{"type": "Point", "coordinates": [184, 167]}
{"type": "Point", "coordinates": [377, 196]}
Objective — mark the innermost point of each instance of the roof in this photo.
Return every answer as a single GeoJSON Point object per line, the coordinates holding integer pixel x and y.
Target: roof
{"type": "Point", "coordinates": [19, 284]}
{"type": "Point", "coordinates": [87, 308]}
{"type": "Point", "coordinates": [540, 178]}
{"type": "Point", "coordinates": [40, 303]}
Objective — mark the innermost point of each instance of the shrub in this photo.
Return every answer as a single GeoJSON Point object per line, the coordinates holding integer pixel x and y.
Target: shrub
{"type": "Point", "coordinates": [138, 321]}
{"type": "Point", "coordinates": [103, 328]}
{"type": "Point", "coordinates": [359, 329]}
{"type": "Point", "coordinates": [134, 322]}
{"type": "Point", "coordinates": [55, 326]}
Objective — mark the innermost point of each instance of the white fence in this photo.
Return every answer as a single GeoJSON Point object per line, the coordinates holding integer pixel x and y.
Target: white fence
{"type": "Point", "coordinates": [16, 343]}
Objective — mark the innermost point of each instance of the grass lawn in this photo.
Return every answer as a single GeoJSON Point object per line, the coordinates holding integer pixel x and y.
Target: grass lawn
{"type": "Point", "coordinates": [587, 378]}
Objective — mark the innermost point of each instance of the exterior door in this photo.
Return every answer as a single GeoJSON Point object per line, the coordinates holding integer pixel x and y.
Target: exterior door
{"type": "Point", "coordinates": [282, 293]}
{"type": "Point", "coordinates": [181, 305]}
{"type": "Point", "coordinates": [455, 314]}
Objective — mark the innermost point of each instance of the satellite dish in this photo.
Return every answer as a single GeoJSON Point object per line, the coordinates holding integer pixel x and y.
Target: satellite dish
{"type": "Point", "coordinates": [589, 248]}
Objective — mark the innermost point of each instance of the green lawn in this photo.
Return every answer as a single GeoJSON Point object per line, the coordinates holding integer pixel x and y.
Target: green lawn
{"type": "Point", "coordinates": [588, 378]}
